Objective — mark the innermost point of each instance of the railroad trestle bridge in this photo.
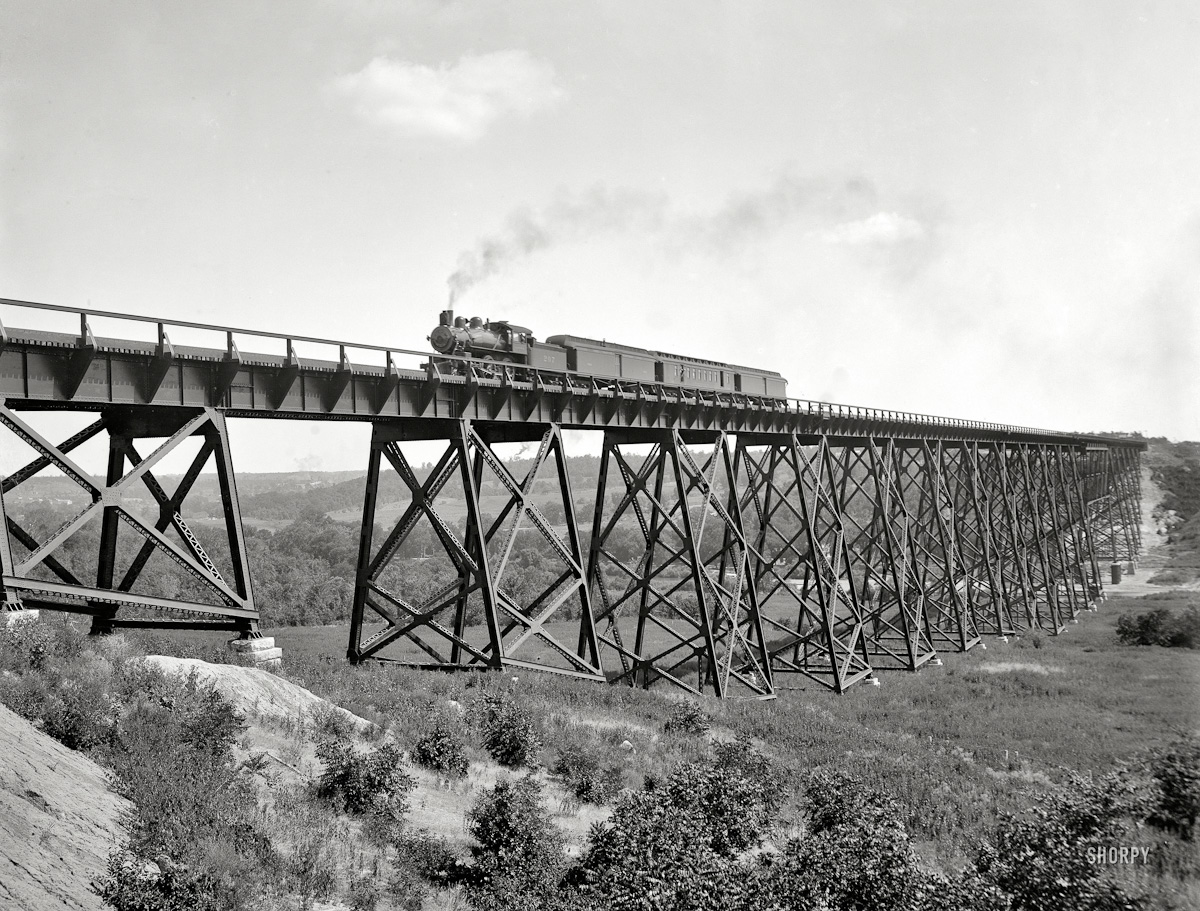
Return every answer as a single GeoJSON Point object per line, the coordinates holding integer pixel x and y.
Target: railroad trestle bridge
{"type": "Point", "coordinates": [725, 543]}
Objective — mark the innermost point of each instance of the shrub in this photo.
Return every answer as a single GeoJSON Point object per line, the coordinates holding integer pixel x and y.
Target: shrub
{"type": "Point", "coordinates": [442, 749]}
{"type": "Point", "coordinates": [674, 846]}
{"type": "Point", "coordinates": [856, 853]}
{"type": "Point", "coordinates": [741, 758]}
{"type": "Point", "coordinates": [1040, 859]}
{"type": "Point", "coordinates": [837, 799]}
{"type": "Point", "coordinates": [686, 718]}
{"type": "Point", "coordinates": [1176, 769]}
{"type": "Point", "coordinates": [518, 859]}
{"type": "Point", "coordinates": [406, 890]}
{"type": "Point", "coordinates": [25, 645]}
{"type": "Point", "coordinates": [863, 861]}
{"type": "Point", "coordinates": [195, 813]}
{"type": "Point", "coordinates": [429, 857]}
{"type": "Point", "coordinates": [372, 783]}
{"type": "Point", "coordinates": [586, 778]}
{"type": "Point", "coordinates": [80, 712]}
{"type": "Point", "coordinates": [133, 885]}
{"type": "Point", "coordinates": [308, 867]}
{"type": "Point", "coordinates": [509, 733]}
{"type": "Point", "coordinates": [1161, 627]}
{"type": "Point", "coordinates": [364, 893]}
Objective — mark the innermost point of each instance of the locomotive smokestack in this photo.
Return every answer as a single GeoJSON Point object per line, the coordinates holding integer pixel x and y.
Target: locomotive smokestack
{"type": "Point", "coordinates": [446, 318]}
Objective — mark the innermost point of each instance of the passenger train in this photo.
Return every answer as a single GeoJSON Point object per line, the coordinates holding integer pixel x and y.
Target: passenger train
{"type": "Point", "coordinates": [503, 341]}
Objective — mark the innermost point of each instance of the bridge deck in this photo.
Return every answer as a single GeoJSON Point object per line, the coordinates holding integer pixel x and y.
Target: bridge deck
{"type": "Point", "coordinates": [40, 369]}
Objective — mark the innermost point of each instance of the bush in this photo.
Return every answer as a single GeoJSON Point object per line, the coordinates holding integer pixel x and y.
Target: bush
{"type": "Point", "coordinates": [509, 733]}
{"type": "Point", "coordinates": [364, 893]}
{"type": "Point", "coordinates": [584, 776]}
{"type": "Point", "coordinates": [133, 885]}
{"type": "Point", "coordinates": [1176, 769]}
{"type": "Point", "coordinates": [195, 813]}
{"type": "Point", "coordinates": [856, 855]}
{"type": "Point", "coordinates": [518, 859]}
{"type": "Point", "coordinates": [372, 783]}
{"type": "Point", "coordinates": [442, 750]}
{"type": "Point", "coordinates": [741, 758]}
{"type": "Point", "coordinates": [686, 718]}
{"type": "Point", "coordinates": [1161, 627]}
{"type": "Point", "coordinates": [25, 645]}
{"type": "Point", "coordinates": [80, 711]}
{"type": "Point", "coordinates": [1040, 859]}
{"type": "Point", "coordinates": [428, 857]}
{"type": "Point", "coordinates": [673, 846]}
{"type": "Point", "coordinates": [406, 890]}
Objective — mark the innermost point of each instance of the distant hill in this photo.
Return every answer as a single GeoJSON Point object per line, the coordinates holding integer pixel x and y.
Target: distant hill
{"type": "Point", "coordinates": [271, 498]}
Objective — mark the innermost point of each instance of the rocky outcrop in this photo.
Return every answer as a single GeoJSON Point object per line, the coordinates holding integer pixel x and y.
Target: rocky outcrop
{"type": "Point", "coordinates": [259, 694]}
{"type": "Point", "coordinates": [58, 821]}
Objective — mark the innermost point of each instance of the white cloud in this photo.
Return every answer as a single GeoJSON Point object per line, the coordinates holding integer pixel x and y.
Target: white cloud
{"type": "Point", "coordinates": [451, 102]}
{"type": "Point", "coordinates": [880, 228]}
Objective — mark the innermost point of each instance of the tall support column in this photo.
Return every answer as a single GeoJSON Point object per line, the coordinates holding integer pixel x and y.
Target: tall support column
{"type": "Point", "coordinates": [188, 587]}
{"type": "Point", "coordinates": [1015, 541]}
{"type": "Point", "coordinates": [1034, 523]}
{"type": "Point", "coordinates": [1085, 534]}
{"type": "Point", "coordinates": [477, 605]}
{"type": "Point", "coordinates": [104, 613]}
{"type": "Point", "coordinates": [883, 558]}
{"type": "Point", "coordinates": [988, 583]}
{"type": "Point", "coordinates": [942, 581]}
{"type": "Point", "coordinates": [1126, 482]}
{"type": "Point", "coordinates": [670, 568]}
{"type": "Point", "coordinates": [217, 440]}
{"type": "Point", "coordinates": [950, 520]}
{"type": "Point", "coordinates": [1075, 571]}
{"type": "Point", "coordinates": [812, 609]}
{"type": "Point", "coordinates": [1051, 529]}
{"type": "Point", "coordinates": [1081, 542]}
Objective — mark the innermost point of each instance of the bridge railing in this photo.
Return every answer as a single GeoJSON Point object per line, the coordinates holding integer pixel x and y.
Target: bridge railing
{"type": "Point", "coordinates": [481, 367]}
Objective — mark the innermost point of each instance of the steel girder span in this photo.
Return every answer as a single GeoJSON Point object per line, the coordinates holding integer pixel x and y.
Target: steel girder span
{"type": "Point", "coordinates": [720, 544]}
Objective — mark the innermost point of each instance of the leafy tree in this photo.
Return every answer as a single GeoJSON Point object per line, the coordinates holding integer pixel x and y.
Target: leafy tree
{"type": "Point", "coordinates": [441, 748]}
{"type": "Point", "coordinates": [365, 783]}
{"type": "Point", "coordinates": [518, 859]}
{"type": "Point", "coordinates": [856, 856]}
{"type": "Point", "coordinates": [509, 732]}
{"type": "Point", "coordinates": [674, 846]}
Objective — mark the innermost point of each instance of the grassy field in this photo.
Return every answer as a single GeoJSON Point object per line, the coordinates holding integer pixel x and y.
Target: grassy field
{"type": "Point", "coordinates": [1080, 699]}
{"type": "Point", "coordinates": [963, 738]}
{"type": "Point", "coordinates": [956, 746]}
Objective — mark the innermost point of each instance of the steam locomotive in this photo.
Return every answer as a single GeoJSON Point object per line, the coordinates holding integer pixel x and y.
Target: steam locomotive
{"type": "Point", "coordinates": [505, 342]}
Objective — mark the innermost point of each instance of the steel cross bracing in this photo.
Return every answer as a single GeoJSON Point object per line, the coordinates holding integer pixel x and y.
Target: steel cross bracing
{"type": "Point", "coordinates": [724, 544]}
{"type": "Point", "coordinates": [50, 568]}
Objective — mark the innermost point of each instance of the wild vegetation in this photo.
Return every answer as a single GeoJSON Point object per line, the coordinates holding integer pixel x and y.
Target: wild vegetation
{"type": "Point", "coordinates": [809, 796]}
{"type": "Point", "coordinates": [1163, 626]}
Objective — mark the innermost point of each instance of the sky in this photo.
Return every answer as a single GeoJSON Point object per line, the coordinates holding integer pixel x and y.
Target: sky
{"type": "Point", "coordinates": [988, 211]}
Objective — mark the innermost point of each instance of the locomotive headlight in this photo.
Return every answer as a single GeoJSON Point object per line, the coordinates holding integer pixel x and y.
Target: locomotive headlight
{"type": "Point", "coordinates": [443, 339]}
